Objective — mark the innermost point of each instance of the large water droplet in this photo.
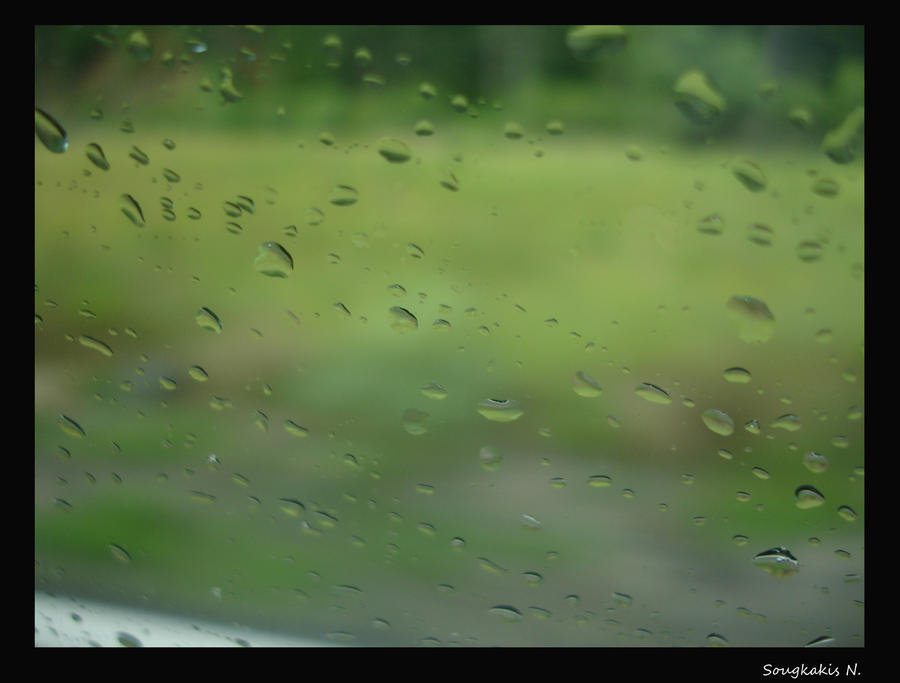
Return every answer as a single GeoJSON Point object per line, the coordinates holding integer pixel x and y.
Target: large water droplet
{"type": "Point", "coordinates": [788, 422]}
{"type": "Point", "coordinates": [97, 157]}
{"type": "Point", "coordinates": [586, 386]}
{"type": "Point", "coordinates": [718, 421]}
{"type": "Point", "coordinates": [292, 427]}
{"type": "Point", "coordinates": [132, 210]}
{"type": "Point", "coordinates": [591, 43]}
{"type": "Point", "coordinates": [414, 421]}
{"type": "Point", "coordinates": [343, 195]}
{"type": "Point", "coordinates": [737, 375]}
{"type": "Point", "coordinates": [273, 260]}
{"type": "Point", "coordinates": [395, 151]}
{"type": "Point", "coordinates": [49, 132]}
{"type": "Point", "coordinates": [696, 97]}
{"type": "Point", "coordinates": [402, 321]}
{"type": "Point", "coordinates": [434, 391]}
{"type": "Point", "coordinates": [506, 613]}
{"type": "Point", "coordinates": [490, 458]}
{"type": "Point", "coordinates": [779, 562]}
{"type": "Point", "coordinates": [70, 427]}
{"type": "Point", "coordinates": [807, 497]}
{"type": "Point", "coordinates": [756, 324]}
{"type": "Point", "coordinates": [844, 142]}
{"type": "Point", "coordinates": [500, 410]}
{"type": "Point", "coordinates": [750, 175]}
{"type": "Point", "coordinates": [95, 344]}
{"type": "Point", "coordinates": [652, 393]}
{"type": "Point", "coordinates": [815, 462]}
{"type": "Point", "coordinates": [206, 319]}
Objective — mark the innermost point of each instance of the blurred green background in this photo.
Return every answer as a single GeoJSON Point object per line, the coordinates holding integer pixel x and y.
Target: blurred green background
{"type": "Point", "coordinates": [584, 247]}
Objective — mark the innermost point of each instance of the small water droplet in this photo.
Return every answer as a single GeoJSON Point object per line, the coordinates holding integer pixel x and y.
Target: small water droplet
{"type": "Point", "coordinates": [120, 553]}
{"type": "Point", "coordinates": [198, 373]}
{"type": "Point", "coordinates": [128, 640]}
{"type": "Point", "coordinates": [600, 481]}
{"type": "Point", "coordinates": [401, 320]}
{"type": "Point", "coordinates": [713, 224]}
{"type": "Point", "coordinates": [788, 422]}
{"type": "Point", "coordinates": [506, 613]}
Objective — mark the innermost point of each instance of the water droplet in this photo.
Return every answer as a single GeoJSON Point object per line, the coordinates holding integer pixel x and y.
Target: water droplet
{"type": "Point", "coordinates": [402, 321]}
{"type": "Point", "coordinates": [393, 150]}
{"type": "Point", "coordinates": [696, 97]}
{"type": "Point", "coordinates": [449, 181]}
{"type": "Point", "coordinates": [513, 130]}
{"type": "Point", "coordinates": [171, 176]}
{"type": "Point", "coordinates": [826, 187]}
{"type": "Point", "coordinates": [441, 325]}
{"type": "Point", "coordinates": [292, 427]}
{"type": "Point", "coordinates": [779, 562]}
{"type": "Point", "coordinates": [592, 43]}
{"type": "Point", "coordinates": [506, 613]}
{"type": "Point", "coordinates": [737, 375]}
{"type": "Point", "coordinates": [168, 383]}
{"type": "Point", "coordinates": [273, 260]}
{"type": "Point", "coordinates": [760, 234]}
{"type": "Point", "coordinates": [120, 553]}
{"type": "Point", "coordinates": [414, 421]}
{"type": "Point", "coordinates": [713, 224]}
{"type": "Point", "coordinates": [756, 324]}
{"type": "Point", "coordinates": [198, 373]}
{"type": "Point", "coordinates": [490, 458]}
{"type": "Point", "coordinates": [423, 128]}
{"type": "Point", "coordinates": [491, 567]}
{"type": "Point", "coordinates": [652, 393]}
{"type": "Point", "coordinates": [49, 132]}
{"type": "Point", "coordinates": [291, 507]}
{"type": "Point", "coordinates": [343, 195]}
{"type": "Point", "coordinates": [95, 344]}
{"type": "Point", "coordinates": [500, 410]}
{"type": "Point", "coordinates": [132, 210]}
{"type": "Point", "coordinates": [139, 156]}
{"type": "Point", "coordinates": [788, 422]}
{"type": "Point", "coordinates": [843, 143]}
{"type": "Point", "coordinates": [760, 473]}
{"type": "Point", "coordinates": [586, 386]}
{"type": "Point", "coordinates": [718, 421]}
{"type": "Point", "coordinates": [807, 497]}
{"type": "Point", "coordinates": [97, 157]}
{"type": "Point", "coordinates": [815, 462]}
{"type": "Point", "coordinates": [846, 513]}
{"type": "Point", "coordinates": [434, 391]}
{"type": "Point", "coordinates": [206, 319]}
{"type": "Point", "coordinates": [128, 640]}
{"type": "Point", "coordinates": [750, 175]}
{"type": "Point", "coordinates": [599, 481]}
{"type": "Point", "coordinates": [70, 427]}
